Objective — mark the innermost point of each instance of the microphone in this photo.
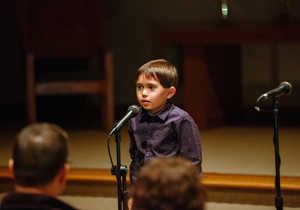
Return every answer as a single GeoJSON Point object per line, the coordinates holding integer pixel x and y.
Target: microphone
{"type": "Point", "coordinates": [132, 111]}
{"type": "Point", "coordinates": [285, 88]}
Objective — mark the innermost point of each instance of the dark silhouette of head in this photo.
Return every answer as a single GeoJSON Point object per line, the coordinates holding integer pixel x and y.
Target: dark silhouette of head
{"type": "Point", "coordinates": [168, 184]}
{"type": "Point", "coordinates": [39, 153]}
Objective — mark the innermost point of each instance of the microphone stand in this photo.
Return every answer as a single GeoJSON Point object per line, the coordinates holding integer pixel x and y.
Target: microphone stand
{"type": "Point", "coordinates": [120, 171]}
{"type": "Point", "coordinates": [278, 198]}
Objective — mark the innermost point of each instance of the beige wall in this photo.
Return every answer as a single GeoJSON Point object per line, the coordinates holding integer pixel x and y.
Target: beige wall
{"type": "Point", "coordinates": [266, 66]}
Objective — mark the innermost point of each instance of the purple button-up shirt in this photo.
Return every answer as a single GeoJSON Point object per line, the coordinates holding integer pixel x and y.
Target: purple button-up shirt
{"type": "Point", "coordinates": [172, 132]}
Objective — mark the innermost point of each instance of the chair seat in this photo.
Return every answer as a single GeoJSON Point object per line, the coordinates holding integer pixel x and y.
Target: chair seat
{"type": "Point", "coordinates": [70, 76]}
{"type": "Point", "coordinates": [71, 87]}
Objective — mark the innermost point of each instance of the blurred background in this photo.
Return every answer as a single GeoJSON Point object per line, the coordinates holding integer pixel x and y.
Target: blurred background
{"type": "Point", "coordinates": [139, 31]}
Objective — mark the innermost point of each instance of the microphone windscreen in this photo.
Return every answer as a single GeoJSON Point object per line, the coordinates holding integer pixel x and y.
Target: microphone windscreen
{"type": "Point", "coordinates": [287, 86]}
{"type": "Point", "coordinates": [134, 109]}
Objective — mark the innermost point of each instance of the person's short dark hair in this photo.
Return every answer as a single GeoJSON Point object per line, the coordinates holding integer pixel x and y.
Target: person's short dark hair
{"type": "Point", "coordinates": [168, 184]}
{"type": "Point", "coordinates": [39, 153]}
{"type": "Point", "coordinates": [160, 69]}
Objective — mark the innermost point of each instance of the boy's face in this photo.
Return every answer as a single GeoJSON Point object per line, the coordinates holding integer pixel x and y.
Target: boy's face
{"type": "Point", "coordinates": [151, 94]}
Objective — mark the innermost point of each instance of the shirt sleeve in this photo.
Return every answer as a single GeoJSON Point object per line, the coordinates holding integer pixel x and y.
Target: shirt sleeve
{"type": "Point", "coordinates": [132, 152]}
{"type": "Point", "coordinates": [132, 146]}
{"type": "Point", "coordinates": [189, 140]}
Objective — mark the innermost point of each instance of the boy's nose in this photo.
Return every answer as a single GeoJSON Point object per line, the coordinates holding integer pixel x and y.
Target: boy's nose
{"type": "Point", "coordinates": [144, 93]}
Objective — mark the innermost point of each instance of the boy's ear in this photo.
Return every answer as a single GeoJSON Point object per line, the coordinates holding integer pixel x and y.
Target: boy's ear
{"type": "Point", "coordinates": [11, 168]}
{"type": "Point", "coordinates": [171, 92]}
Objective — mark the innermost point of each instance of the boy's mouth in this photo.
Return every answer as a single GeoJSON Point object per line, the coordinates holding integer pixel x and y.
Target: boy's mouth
{"type": "Point", "coordinates": [145, 101]}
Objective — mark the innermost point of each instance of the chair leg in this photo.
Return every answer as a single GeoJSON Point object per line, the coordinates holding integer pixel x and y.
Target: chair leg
{"type": "Point", "coordinates": [108, 105]}
{"type": "Point", "coordinates": [106, 119]}
{"type": "Point", "coordinates": [30, 90]}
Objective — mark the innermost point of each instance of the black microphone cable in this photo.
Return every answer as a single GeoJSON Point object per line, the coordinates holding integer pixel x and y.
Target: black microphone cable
{"type": "Point", "coordinates": [132, 111]}
{"type": "Point", "coordinates": [108, 147]}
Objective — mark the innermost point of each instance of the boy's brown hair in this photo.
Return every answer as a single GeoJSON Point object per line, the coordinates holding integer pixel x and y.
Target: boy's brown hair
{"type": "Point", "coordinates": [160, 70]}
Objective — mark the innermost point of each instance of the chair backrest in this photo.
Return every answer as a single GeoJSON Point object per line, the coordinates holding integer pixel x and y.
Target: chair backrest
{"type": "Point", "coordinates": [62, 28]}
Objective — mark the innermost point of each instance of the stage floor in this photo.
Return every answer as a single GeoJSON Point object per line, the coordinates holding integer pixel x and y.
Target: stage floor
{"type": "Point", "coordinates": [229, 150]}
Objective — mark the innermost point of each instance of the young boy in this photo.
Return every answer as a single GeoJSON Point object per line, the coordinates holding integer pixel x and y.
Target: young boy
{"type": "Point", "coordinates": [161, 129]}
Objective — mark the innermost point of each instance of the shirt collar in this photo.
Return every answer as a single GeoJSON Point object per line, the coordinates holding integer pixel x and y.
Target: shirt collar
{"type": "Point", "coordinates": [163, 114]}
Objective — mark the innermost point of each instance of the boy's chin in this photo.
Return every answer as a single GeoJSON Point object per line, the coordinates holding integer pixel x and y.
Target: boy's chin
{"type": "Point", "coordinates": [146, 108]}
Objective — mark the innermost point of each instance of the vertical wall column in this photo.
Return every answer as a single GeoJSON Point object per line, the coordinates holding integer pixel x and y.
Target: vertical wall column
{"type": "Point", "coordinates": [212, 84]}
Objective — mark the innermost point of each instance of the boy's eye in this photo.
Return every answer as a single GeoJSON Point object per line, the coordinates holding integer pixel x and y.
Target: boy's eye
{"type": "Point", "coordinates": [151, 87]}
{"type": "Point", "coordinates": [139, 87]}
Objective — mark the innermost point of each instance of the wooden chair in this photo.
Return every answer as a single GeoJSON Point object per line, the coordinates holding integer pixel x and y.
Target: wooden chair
{"type": "Point", "coordinates": [65, 34]}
